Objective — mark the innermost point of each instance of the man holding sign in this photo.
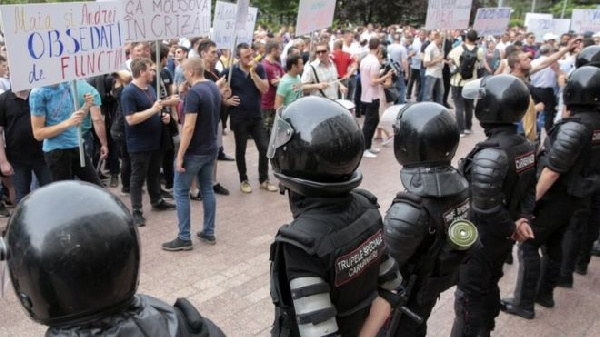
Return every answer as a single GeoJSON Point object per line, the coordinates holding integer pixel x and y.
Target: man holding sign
{"type": "Point", "coordinates": [55, 121]}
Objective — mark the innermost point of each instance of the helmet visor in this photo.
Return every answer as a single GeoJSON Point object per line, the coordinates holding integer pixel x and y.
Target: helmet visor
{"type": "Point", "coordinates": [281, 133]}
{"type": "Point", "coordinates": [474, 89]}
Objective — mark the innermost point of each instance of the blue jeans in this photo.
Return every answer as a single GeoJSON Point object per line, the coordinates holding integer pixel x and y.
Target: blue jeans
{"type": "Point", "coordinates": [201, 167]}
{"type": "Point", "coordinates": [421, 95]}
{"type": "Point", "coordinates": [22, 178]}
{"type": "Point", "coordinates": [433, 85]}
{"type": "Point", "coordinates": [401, 85]}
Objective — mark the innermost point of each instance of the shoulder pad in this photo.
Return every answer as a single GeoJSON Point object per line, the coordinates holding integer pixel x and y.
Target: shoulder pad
{"type": "Point", "coordinates": [490, 156]}
{"type": "Point", "coordinates": [570, 139]}
{"type": "Point", "coordinates": [367, 194]}
{"type": "Point", "coordinates": [411, 198]}
{"type": "Point", "coordinates": [294, 236]}
{"type": "Point", "coordinates": [489, 169]}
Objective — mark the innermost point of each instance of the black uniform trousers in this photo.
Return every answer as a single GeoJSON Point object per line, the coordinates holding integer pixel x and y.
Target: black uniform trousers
{"type": "Point", "coordinates": [552, 215]}
{"type": "Point", "coordinates": [404, 326]}
{"type": "Point", "coordinates": [477, 298]}
{"type": "Point", "coordinates": [579, 238]}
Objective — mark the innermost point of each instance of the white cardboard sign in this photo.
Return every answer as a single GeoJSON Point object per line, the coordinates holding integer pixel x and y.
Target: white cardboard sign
{"type": "Point", "coordinates": [491, 21]}
{"type": "Point", "coordinates": [313, 15]}
{"type": "Point", "coordinates": [448, 14]}
{"type": "Point", "coordinates": [56, 42]}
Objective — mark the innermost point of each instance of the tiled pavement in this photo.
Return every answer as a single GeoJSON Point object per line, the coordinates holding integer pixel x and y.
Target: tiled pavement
{"type": "Point", "coordinates": [229, 282]}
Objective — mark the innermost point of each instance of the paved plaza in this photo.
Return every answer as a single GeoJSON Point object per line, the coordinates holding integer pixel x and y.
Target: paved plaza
{"type": "Point", "coordinates": [229, 282]}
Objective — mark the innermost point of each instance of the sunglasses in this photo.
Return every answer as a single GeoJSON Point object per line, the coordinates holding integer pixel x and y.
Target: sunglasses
{"type": "Point", "coordinates": [320, 51]}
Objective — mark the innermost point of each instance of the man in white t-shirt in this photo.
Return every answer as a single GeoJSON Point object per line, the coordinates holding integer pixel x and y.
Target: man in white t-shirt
{"type": "Point", "coordinates": [433, 60]}
{"type": "Point", "coordinates": [370, 82]}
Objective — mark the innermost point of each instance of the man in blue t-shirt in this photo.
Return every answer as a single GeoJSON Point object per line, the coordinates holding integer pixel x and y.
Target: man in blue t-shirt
{"type": "Point", "coordinates": [248, 81]}
{"type": "Point", "coordinates": [55, 121]}
{"type": "Point", "coordinates": [143, 129]}
{"type": "Point", "coordinates": [197, 154]}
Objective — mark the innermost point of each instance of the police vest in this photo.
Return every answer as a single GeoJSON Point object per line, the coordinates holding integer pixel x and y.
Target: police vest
{"type": "Point", "coordinates": [435, 264]}
{"type": "Point", "coordinates": [350, 244]}
{"type": "Point", "coordinates": [583, 179]}
{"type": "Point", "coordinates": [521, 171]}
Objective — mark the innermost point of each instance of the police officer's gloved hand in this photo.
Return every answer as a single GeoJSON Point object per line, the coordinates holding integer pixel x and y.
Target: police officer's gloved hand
{"type": "Point", "coordinates": [396, 298]}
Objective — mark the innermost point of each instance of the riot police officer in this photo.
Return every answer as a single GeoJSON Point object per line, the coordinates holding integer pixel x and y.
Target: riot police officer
{"type": "Point", "coordinates": [329, 264]}
{"type": "Point", "coordinates": [501, 173]}
{"type": "Point", "coordinates": [584, 225]}
{"type": "Point", "coordinates": [74, 260]}
{"type": "Point", "coordinates": [570, 174]}
{"type": "Point", "coordinates": [434, 209]}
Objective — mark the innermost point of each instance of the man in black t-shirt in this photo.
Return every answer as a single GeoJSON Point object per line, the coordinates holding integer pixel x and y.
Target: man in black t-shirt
{"type": "Point", "coordinates": [197, 154]}
{"type": "Point", "coordinates": [143, 117]}
{"type": "Point", "coordinates": [23, 154]}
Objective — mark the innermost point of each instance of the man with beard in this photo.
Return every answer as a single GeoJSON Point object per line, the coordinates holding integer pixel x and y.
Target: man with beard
{"type": "Point", "coordinates": [272, 64]}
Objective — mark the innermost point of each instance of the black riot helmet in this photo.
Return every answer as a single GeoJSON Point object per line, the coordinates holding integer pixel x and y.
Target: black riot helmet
{"type": "Point", "coordinates": [588, 56]}
{"type": "Point", "coordinates": [503, 99]}
{"type": "Point", "coordinates": [316, 147]}
{"type": "Point", "coordinates": [583, 88]}
{"type": "Point", "coordinates": [73, 254]}
{"type": "Point", "coordinates": [425, 135]}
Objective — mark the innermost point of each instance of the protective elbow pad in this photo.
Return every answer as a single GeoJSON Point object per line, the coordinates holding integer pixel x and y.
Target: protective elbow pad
{"type": "Point", "coordinates": [389, 274]}
{"type": "Point", "coordinates": [315, 314]}
{"type": "Point", "coordinates": [488, 171]}
{"type": "Point", "coordinates": [404, 228]}
{"type": "Point", "coordinates": [567, 146]}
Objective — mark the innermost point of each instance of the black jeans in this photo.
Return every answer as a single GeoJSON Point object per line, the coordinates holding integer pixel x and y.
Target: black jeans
{"type": "Point", "coordinates": [463, 109]}
{"type": "Point", "coordinates": [415, 78]}
{"type": "Point", "coordinates": [64, 165]}
{"type": "Point", "coordinates": [446, 82]}
{"type": "Point", "coordinates": [125, 164]}
{"type": "Point", "coordinates": [145, 166]}
{"type": "Point", "coordinates": [540, 275]}
{"type": "Point", "coordinates": [242, 129]}
{"type": "Point", "coordinates": [371, 111]}
{"type": "Point", "coordinates": [477, 298]}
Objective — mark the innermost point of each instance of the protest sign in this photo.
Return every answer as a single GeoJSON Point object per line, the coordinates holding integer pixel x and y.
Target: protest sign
{"type": "Point", "coordinates": [224, 25]}
{"type": "Point", "coordinates": [585, 20]}
{"type": "Point", "coordinates": [448, 14]}
{"type": "Point", "coordinates": [541, 27]}
{"type": "Point", "coordinates": [241, 14]}
{"type": "Point", "coordinates": [529, 16]}
{"type": "Point", "coordinates": [51, 43]}
{"type": "Point", "coordinates": [313, 15]}
{"type": "Point", "coordinates": [149, 20]}
{"type": "Point", "coordinates": [491, 21]}
{"type": "Point", "coordinates": [246, 34]}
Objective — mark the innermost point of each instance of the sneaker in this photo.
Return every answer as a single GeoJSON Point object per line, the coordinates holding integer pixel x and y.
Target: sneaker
{"type": "Point", "coordinates": [463, 135]}
{"type": "Point", "coordinates": [546, 300]}
{"type": "Point", "coordinates": [374, 150]}
{"type": "Point", "coordinates": [4, 213]}
{"type": "Point", "coordinates": [125, 192]}
{"type": "Point", "coordinates": [163, 205]}
{"type": "Point", "coordinates": [508, 306]}
{"type": "Point", "coordinates": [138, 219]}
{"type": "Point", "coordinates": [581, 269]}
{"type": "Point", "coordinates": [208, 239]}
{"type": "Point", "coordinates": [195, 194]}
{"type": "Point", "coordinates": [114, 180]}
{"type": "Point", "coordinates": [266, 185]}
{"type": "Point", "coordinates": [565, 281]}
{"type": "Point", "coordinates": [224, 157]}
{"type": "Point", "coordinates": [245, 187]}
{"type": "Point", "coordinates": [387, 141]}
{"type": "Point", "coordinates": [368, 154]}
{"type": "Point", "coordinates": [165, 194]}
{"type": "Point", "coordinates": [220, 189]}
{"type": "Point", "coordinates": [468, 132]}
{"type": "Point", "coordinates": [177, 244]}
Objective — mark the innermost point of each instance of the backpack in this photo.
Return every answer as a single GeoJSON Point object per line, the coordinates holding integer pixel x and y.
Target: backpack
{"type": "Point", "coordinates": [468, 58]}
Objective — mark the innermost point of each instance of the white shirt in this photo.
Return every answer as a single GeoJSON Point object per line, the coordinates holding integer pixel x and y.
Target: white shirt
{"type": "Point", "coordinates": [545, 78]}
{"type": "Point", "coordinates": [431, 53]}
{"type": "Point", "coordinates": [325, 74]}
